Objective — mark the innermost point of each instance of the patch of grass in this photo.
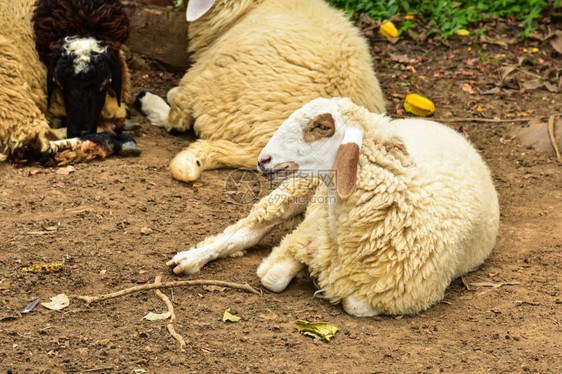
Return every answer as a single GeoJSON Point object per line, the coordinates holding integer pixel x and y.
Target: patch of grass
{"type": "Point", "coordinates": [444, 17]}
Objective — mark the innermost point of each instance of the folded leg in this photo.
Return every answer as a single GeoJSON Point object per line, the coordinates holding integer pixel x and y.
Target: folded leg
{"type": "Point", "coordinates": [74, 150]}
{"type": "Point", "coordinates": [203, 155]}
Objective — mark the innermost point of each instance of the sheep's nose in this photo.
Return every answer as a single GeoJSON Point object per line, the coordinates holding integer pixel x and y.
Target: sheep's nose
{"type": "Point", "coordinates": [262, 161]}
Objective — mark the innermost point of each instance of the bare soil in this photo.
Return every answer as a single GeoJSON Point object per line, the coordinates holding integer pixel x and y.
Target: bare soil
{"type": "Point", "coordinates": [114, 223]}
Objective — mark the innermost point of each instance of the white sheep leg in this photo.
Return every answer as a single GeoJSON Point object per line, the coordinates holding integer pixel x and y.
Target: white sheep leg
{"type": "Point", "coordinates": [154, 108]}
{"type": "Point", "coordinates": [204, 154]}
{"type": "Point", "coordinates": [233, 240]}
{"type": "Point", "coordinates": [358, 308]}
{"type": "Point", "coordinates": [277, 270]}
{"type": "Point", "coordinates": [286, 201]}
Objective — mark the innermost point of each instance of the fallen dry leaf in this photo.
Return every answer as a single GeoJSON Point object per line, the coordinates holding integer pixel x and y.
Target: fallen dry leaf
{"type": "Point", "coordinates": [66, 170]}
{"type": "Point", "coordinates": [58, 302]}
{"type": "Point", "coordinates": [321, 330]}
{"type": "Point", "coordinates": [468, 89]}
{"type": "Point", "coordinates": [157, 316]}
{"type": "Point", "coordinates": [556, 41]}
{"type": "Point", "coordinates": [44, 268]}
{"type": "Point", "coordinates": [402, 58]}
{"type": "Point", "coordinates": [229, 317]}
{"type": "Point", "coordinates": [214, 288]}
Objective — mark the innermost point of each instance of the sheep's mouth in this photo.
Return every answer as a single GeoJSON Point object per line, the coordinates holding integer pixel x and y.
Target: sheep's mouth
{"type": "Point", "coordinates": [285, 169]}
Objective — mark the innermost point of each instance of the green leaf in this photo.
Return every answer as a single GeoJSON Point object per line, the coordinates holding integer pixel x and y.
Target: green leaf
{"type": "Point", "coordinates": [320, 330]}
{"type": "Point", "coordinates": [229, 317]}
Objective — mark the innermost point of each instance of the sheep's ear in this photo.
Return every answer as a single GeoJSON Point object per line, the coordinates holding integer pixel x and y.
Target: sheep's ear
{"type": "Point", "coordinates": [116, 79]}
{"type": "Point", "coordinates": [197, 9]}
{"type": "Point", "coordinates": [345, 169]}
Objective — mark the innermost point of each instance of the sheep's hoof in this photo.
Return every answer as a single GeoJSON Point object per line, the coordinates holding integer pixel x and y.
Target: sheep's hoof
{"type": "Point", "coordinates": [277, 277]}
{"type": "Point", "coordinates": [358, 308]}
{"type": "Point", "coordinates": [131, 125]}
{"type": "Point", "coordinates": [185, 262]}
{"type": "Point", "coordinates": [130, 148]}
{"type": "Point", "coordinates": [186, 167]}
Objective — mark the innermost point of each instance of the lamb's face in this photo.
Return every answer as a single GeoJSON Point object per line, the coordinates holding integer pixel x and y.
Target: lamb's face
{"type": "Point", "coordinates": [84, 69]}
{"type": "Point", "coordinates": [308, 141]}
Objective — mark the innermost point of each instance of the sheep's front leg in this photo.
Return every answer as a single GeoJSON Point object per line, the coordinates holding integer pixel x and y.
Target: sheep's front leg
{"type": "Point", "coordinates": [153, 107]}
{"type": "Point", "coordinates": [158, 112]}
{"type": "Point", "coordinates": [277, 270]}
{"type": "Point", "coordinates": [286, 201]}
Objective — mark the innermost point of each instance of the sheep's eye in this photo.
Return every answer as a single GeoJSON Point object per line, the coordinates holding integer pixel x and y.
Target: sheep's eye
{"type": "Point", "coordinates": [321, 127]}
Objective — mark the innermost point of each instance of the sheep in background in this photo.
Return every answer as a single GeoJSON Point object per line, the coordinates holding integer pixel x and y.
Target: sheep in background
{"type": "Point", "coordinates": [87, 78]}
{"type": "Point", "coordinates": [404, 207]}
{"type": "Point", "coordinates": [25, 135]}
{"type": "Point", "coordinates": [254, 63]}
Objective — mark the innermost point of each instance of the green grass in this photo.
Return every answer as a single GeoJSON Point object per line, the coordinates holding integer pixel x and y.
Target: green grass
{"type": "Point", "coordinates": [445, 17]}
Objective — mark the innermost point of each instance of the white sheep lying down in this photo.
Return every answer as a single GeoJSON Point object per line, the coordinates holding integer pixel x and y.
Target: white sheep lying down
{"type": "Point", "coordinates": [411, 206]}
{"type": "Point", "coordinates": [254, 63]}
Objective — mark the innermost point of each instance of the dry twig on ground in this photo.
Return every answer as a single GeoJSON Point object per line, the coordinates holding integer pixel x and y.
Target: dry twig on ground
{"type": "Point", "coordinates": [145, 287]}
{"type": "Point", "coordinates": [170, 326]}
{"type": "Point", "coordinates": [553, 139]}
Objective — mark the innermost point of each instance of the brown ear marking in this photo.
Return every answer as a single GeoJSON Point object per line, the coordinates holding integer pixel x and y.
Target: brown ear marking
{"type": "Point", "coordinates": [395, 145]}
{"type": "Point", "coordinates": [323, 126]}
{"type": "Point", "coordinates": [345, 169]}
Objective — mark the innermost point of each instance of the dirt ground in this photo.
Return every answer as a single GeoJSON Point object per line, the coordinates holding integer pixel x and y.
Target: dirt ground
{"type": "Point", "coordinates": [114, 223]}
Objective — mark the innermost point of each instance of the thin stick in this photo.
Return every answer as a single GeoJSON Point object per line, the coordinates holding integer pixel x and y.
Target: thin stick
{"type": "Point", "coordinates": [553, 139]}
{"type": "Point", "coordinates": [494, 120]}
{"type": "Point", "coordinates": [170, 326]}
{"type": "Point", "coordinates": [144, 287]}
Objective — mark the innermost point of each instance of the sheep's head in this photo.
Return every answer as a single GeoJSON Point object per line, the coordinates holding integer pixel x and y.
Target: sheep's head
{"type": "Point", "coordinates": [316, 141]}
{"type": "Point", "coordinates": [84, 69]}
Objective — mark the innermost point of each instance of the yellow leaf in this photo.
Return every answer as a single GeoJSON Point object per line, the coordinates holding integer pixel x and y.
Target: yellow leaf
{"type": "Point", "coordinates": [534, 50]}
{"type": "Point", "coordinates": [389, 30]}
{"type": "Point", "coordinates": [410, 17]}
{"type": "Point", "coordinates": [462, 32]}
{"type": "Point", "coordinates": [419, 105]}
{"type": "Point", "coordinates": [229, 317]}
{"type": "Point", "coordinates": [44, 268]}
{"type": "Point", "coordinates": [321, 330]}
